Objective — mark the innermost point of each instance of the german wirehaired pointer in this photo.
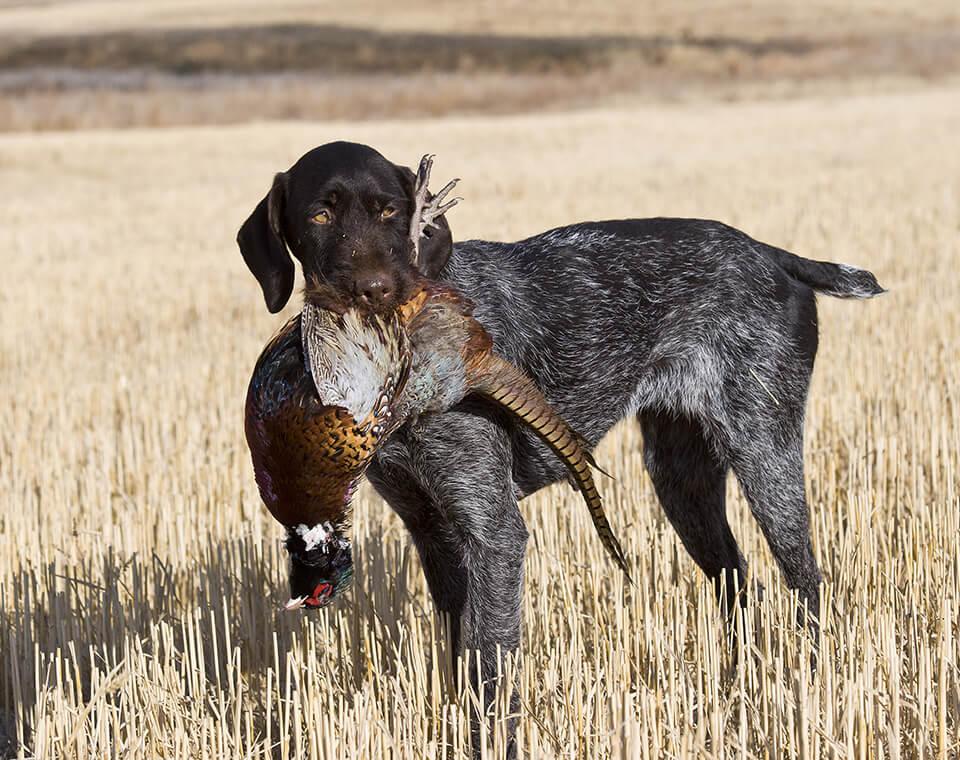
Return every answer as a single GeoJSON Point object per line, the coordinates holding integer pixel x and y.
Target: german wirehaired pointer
{"type": "Point", "coordinates": [704, 334]}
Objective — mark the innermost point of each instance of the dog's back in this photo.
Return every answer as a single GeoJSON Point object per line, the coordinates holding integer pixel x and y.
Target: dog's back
{"type": "Point", "coordinates": [615, 317]}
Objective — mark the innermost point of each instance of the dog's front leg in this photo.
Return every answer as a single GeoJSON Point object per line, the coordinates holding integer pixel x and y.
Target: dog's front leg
{"type": "Point", "coordinates": [490, 623]}
{"type": "Point", "coordinates": [471, 539]}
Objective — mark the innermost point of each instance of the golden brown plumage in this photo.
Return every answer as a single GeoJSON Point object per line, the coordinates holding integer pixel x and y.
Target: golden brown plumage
{"type": "Point", "coordinates": [335, 383]}
{"type": "Point", "coordinates": [308, 452]}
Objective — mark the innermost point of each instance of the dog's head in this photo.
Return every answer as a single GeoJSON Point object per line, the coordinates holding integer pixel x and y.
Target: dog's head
{"type": "Point", "coordinates": [344, 212]}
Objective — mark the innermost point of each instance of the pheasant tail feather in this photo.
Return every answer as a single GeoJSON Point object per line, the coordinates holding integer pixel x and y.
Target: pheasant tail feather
{"type": "Point", "coordinates": [503, 383]}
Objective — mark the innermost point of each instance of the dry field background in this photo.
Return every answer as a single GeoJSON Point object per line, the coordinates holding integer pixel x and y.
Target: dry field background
{"type": "Point", "coordinates": [140, 577]}
{"type": "Point", "coordinates": [80, 64]}
{"type": "Point", "coordinates": [755, 19]}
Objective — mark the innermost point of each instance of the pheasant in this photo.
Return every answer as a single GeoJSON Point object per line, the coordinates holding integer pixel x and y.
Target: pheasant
{"type": "Point", "coordinates": [312, 436]}
{"type": "Point", "coordinates": [331, 387]}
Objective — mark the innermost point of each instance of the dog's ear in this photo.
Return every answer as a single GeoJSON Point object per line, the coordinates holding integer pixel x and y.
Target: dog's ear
{"type": "Point", "coordinates": [436, 244]}
{"type": "Point", "coordinates": [264, 249]}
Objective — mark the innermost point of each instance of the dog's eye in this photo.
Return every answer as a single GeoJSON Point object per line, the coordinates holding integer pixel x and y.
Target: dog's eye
{"type": "Point", "coordinates": [387, 212]}
{"type": "Point", "coordinates": [321, 217]}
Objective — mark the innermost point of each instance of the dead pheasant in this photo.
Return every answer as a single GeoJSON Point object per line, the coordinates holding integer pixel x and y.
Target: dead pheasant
{"type": "Point", "coordinates": [312, 437]}
{"type": "Point", "coordinates": [329, 389]}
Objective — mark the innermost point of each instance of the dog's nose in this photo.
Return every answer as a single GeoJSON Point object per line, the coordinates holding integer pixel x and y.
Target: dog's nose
{"type": "Point", "coordinates": [374, 290]}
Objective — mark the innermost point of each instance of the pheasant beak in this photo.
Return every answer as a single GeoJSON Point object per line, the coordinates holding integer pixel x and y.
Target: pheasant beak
{"type": "Point", "coordinates": [294, 603]}
{"type": "Point", "coordinates": [320, 597]}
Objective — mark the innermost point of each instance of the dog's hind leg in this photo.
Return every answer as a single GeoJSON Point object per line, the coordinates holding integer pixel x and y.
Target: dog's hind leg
{"type": "Point", "coordinates": [690, 482]}
{"type": "Point", "coordinates": [770, 470]}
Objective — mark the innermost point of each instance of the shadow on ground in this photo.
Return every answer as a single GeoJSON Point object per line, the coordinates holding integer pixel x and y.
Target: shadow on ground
{"type": "Point", "coordinates": [68, 629]}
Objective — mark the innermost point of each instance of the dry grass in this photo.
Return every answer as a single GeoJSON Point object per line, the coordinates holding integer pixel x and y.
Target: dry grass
{"type": "Point", "coordinates": [140, 577]}
{"type": "Point", "coordinates": [167, 101]}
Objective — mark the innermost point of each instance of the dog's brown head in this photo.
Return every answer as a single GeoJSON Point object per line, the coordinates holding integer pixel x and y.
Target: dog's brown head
{"type": "Point", "coordinates": [344, 212]}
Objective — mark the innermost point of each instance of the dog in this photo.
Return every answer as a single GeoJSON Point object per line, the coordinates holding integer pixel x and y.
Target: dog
{"type": "Point", "coordinates": [704, 335]}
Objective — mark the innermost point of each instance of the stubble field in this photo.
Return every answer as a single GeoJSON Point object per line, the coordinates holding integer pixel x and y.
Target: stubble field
{"type": "Point", "coordinates": [140, 577]}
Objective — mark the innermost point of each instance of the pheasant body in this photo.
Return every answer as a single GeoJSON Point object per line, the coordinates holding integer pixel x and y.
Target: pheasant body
{"type": "Point", "coordinates": [309, 450]}
{"type": "Point", "coordinates": [329, 389]}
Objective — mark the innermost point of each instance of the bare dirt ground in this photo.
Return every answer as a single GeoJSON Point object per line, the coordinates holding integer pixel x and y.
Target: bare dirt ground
{"type": "Point", "coordinates": [140, 576]}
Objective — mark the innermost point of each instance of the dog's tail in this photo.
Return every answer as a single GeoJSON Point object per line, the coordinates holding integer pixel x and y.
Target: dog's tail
{"type": "Point", "coordinates": [840, 280]}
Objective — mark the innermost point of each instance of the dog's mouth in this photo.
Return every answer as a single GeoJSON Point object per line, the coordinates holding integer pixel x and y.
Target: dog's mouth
{"type": "Point", "coordinates": [382, 309]}
{"type": "Point", "coordinates": [335, 295]}
{"type": "Point", "coordinates": [326, 295]}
